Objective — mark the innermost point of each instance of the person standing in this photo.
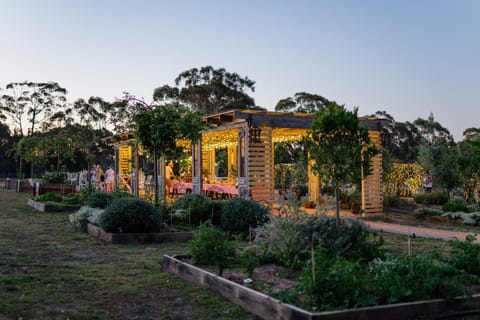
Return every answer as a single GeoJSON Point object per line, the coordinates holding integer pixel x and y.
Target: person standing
{"type": "Point", "coordinates": [169, 176]}
{"type": "Point", "coordinates": [100, 177]}
{"type": "Point", "coordinates": [427, 182]}
{"type": "Point", "coordinates": [109, 179]}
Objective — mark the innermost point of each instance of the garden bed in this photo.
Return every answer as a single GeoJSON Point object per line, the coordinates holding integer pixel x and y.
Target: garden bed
{"type": "Point", "coordinates": [137, 238]}
{"type": "Point", "coordinates": [267, 307]}
{"type": "Point", "coordinates": [51, 206]}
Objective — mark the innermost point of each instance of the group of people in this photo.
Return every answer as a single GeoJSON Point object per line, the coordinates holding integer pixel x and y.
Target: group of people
{"type": "Point", "coordinates": [102, 180]}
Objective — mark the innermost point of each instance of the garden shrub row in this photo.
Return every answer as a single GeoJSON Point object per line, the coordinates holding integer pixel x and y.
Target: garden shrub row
{"type": "Point", "coordinates": [342, 266]}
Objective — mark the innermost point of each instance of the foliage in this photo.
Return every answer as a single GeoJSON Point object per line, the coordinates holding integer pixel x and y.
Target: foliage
{"type": "Point", "coordinates": [393, 201]}
{"type": "Point", "coordinates": [84, 215]}
{"type": "Point", "coordinates": [302, 102]}
{"type": "Point", "coordinates": [99, 199]}
{"type": "Point", "coordinates": [289, 238]}
{"type": "Point", "coordinates": [72, 198]}
{"type": "Point", "coordinates": [433, 211]}
{"type": "Point", "coordinates": [340, 147]}
{"type": "Point", "coordinates": [54, 177]}
{"type": "Point", "coordinates": [241, 216]}
{"type": "Point", "coordinates": [130, 215]}
{"type": "Point", "coordinates": [31, 103]}
{"type": "Point", "coordinates": [211, 246]}
{"type": "Point", "coordinates": [49, 196]}
{"type": "Point", "coordinates": [404, 179]}
{"type": "Point", "coordinates": [196, 208]}
{"type": "Point", "coordinates": [431, 198]}
{"type": "Point", "coordinates": [469, 218]}
{"type": "Point", "coordinates": [466, 255]}
{"type": "Point", "coordinates": [455, 204]}
{"type": "Point", "coordinates": [402, 278]}
{"type": "Point", "coordinates": [339, 283]}
{"type": "Point", "coordinates": [209, 90]}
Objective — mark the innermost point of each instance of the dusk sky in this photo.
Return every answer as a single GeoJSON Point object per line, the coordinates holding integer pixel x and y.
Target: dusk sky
{"type": "Point", "coordinates": [407, 57]}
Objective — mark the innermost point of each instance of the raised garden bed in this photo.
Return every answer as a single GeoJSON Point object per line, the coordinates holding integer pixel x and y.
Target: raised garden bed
{"type": "Point", "coordinates": [51, 206]}
{"type": "Point", "coordinates": [267, 307]}
{"type": "Point", "coordinates": [137, 238]}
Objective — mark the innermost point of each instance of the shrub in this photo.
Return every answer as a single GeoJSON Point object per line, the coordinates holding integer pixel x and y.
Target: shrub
{"type": "Point", "coordinates": [240, 216]}
{"type": "Point", "coordinates": [130, 215]}
{"type": "Point", "coordinates": [84, 215]}
{"type": "Point", "coordinates": [338, 283]}
{"type": "Point", "coordinates": [210, 246]}
{"type": "Point", "coordinates": [433, 211]}
{"type": "Point", "coordinates": [72, 198]}
{"type": "Point", "coordinates": [393, 201]}
{"type": "Point", "coordinates": [404, 278]}
{"type": "Point", "coordinates": [466, 255]}
{"type": "Point", "coordinates": [99, 199]}
{"type": "Point", "coordinates": [49, 196]}
{"type": "Point", "coordinates": [455, 205]}
{"type": "Point", "coordinates": [289, 239]}
{"type": "Point", "coordinates": [431, 198]}
{"type": "Point", "coordinates": [195, 208]}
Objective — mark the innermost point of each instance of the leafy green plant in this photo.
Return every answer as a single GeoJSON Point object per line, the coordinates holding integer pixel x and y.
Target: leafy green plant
{"type": "Point", "coordinates": [99, 199]}
{"type": "Point", "coordinates": [210, 246]}
{"type": "Point", "coordinates": [130, 215]}
{"type": "Point", "coordinates": [72, 198]}
{"type": "Point", "coordinates": [431, 198]}
{"type": "Point", "coordinates": [466, 255]}
{"type": "Point", "coordinates": [49, 196]}
{"type": "Point", "coordinates": [454, 205]}
{"type": "Point", "coordinates": [84, 215]}
{"type": "Point", "coordinates": [240, 216]}
{"type": "Point", "coordinates": [289, 239]}
{"type": "Point", "coordinates": [196, 208]}
{"type": "Point", "coordinates": [393, 201]}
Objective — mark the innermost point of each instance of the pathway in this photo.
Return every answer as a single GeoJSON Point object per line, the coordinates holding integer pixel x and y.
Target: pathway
{"type": "Point", "coordinates": [418, 231]}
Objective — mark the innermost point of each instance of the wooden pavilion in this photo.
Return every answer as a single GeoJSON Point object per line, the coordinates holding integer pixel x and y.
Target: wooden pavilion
{"type": "Point", "coordinates": [249, 137]}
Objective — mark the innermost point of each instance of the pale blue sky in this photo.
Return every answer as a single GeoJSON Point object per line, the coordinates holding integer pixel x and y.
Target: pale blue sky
{"type": "Point", "coordinates": [408, 57]}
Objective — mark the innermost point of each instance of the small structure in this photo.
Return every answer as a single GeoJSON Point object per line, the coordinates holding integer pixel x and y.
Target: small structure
{"type": "Point", "coordinates": [248, 137]}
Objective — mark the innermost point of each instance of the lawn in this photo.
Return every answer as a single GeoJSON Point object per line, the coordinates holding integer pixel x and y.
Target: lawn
{"type": "Point", "coordinates": [49, 271]}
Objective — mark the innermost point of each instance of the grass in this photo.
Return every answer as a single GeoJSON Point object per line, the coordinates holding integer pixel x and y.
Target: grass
{"type": "Point", "coordinates": [49, 271]}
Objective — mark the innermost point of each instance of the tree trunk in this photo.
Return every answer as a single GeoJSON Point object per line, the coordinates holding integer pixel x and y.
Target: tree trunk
{"type": "Point", "coordinates": [337, 208]}
{"type": "Point", "coordinates": [155, 175]}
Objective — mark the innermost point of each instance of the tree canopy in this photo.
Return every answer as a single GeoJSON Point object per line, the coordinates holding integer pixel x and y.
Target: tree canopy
{"type": "Point", "coordinates": [340, 147]}
{"type": "Point", "coordinates": [209, 90]}
{"type": "Point", "coordinates": [302, 102]}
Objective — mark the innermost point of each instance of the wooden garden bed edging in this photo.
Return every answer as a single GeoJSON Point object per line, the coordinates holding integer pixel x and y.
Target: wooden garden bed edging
{"type": "Point", "coordinates": [51, 207]}
{"type": "Point", "coordinates": [137, 238]}
{"type": "Point", "coordinates": [267, 307]}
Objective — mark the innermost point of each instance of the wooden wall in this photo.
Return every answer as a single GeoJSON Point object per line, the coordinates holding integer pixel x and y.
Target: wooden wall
{"type": "Point", "coordinates": [372, 197]}
{"type": "Point", "coordinates": [260, 165]}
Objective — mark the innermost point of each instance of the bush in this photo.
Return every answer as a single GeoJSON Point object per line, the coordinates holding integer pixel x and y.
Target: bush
{"type": "Point", "coordinates": [343, 283]}
{"type": "Point", "coordinates": [72, 198]}
{"type": "Point", "coordinates": [431, 198]}
{"type": "Point", "coordinates": [99, 199]}
{"type": "Point", "coordinates": [466, 255]}
{"type": "Point", "coordinates": [455, 205]}
{"type": "Point", "coordinates": [240, 216]}
{"type": "Point", "coordinates": [84, 215]}
{"type": "Point", "coordinates": [288, 240]}
{"type": "Point", "coordinates": [210, 246]}
{"type": "Point", "coordinates": [49, 196]}
{"type": "Point", "coordinates": [130, 215]}
{"type": "Point", "coordinates": [196, 208]}
{"type": "Point", "coordinates": [394, 201]}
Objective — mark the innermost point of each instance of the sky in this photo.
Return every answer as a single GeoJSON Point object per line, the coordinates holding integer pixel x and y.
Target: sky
{"type": "Point", "coordinates": [409, 58]}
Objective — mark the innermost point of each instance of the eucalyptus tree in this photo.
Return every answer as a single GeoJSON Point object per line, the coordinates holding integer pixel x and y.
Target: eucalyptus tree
{"type": "Point", "coordinates": [340, 146]}
{"type": "Point", "coordinates": [93, 115]}
{"type": "Point", "coordinates": [302, 102]}
{"type": "Point", "coordinates": [209, 90]}
{"type": "Point", "coordinates": [31, 103]}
